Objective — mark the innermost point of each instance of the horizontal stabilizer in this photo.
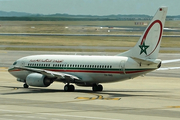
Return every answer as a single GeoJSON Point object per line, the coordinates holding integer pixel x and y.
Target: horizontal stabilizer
{"type": "Point", "coordinates": [146, 61]}
{"type": "Point", "coordinates": [169, 68]}
{"type": "Point", "coordinates": [170, 61]}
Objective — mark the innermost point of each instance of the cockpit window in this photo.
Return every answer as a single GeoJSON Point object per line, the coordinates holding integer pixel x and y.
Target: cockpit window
{"type": "Point", "coordinates": [14, 63]}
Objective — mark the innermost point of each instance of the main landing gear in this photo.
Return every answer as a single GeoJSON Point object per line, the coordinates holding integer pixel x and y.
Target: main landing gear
{"type": "Point", "coordinates": [96, 87]}
{"type": "Point", "coordinates": [25, 85]}
{"type": "Point", "coordinates": [69, 88]}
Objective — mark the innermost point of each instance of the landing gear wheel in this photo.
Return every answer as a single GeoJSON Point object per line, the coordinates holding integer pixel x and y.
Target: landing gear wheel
{"type": "Point", "coordinates": [25, 85]}
{"type": "Point", "coordinates": [69, 88]}
{"type": "Point", "coordinates": [96, 87]}
{"type": "Point", "coordinates": [100, 87]}
{"type": "Point", "coordinates": [66, 88]}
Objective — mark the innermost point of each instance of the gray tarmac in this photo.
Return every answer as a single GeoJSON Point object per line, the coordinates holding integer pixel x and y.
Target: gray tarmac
{"type": "Point", "coordinates": [83, 47]}
{"type": "Point", "coordinates": [155, 96]}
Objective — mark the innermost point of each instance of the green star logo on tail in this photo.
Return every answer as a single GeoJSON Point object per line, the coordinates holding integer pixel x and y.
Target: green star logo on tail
{"type": "Point", "coordinates": [143, 48]}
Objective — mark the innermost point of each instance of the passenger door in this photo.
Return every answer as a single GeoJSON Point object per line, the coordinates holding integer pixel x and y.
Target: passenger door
{"type": "Point", "coordinates": [122, 67]}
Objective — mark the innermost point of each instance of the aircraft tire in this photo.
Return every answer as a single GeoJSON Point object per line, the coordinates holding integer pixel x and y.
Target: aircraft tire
{"type": "Point", "coordinates": [26, 86]}
{"type": "Point", "coordinates": [66, 88]}
{"type": "Point", "coordinates": [97, 87]}
{"type": "Point", "coordinates": [100, 87]}
{"type": "Point", "coordinates": [69, 88]}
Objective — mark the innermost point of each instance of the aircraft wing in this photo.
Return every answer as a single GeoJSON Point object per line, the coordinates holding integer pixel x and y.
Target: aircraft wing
{"type": "Point", "coordinates": [57, 76]}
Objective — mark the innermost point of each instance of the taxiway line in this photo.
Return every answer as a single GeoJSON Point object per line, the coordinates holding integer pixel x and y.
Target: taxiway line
{"type": "Point", "coordinates": [57, 34]}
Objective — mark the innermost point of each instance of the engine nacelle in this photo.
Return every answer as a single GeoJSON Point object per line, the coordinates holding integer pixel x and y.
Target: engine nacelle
{"type": "Point", "coordinates": [38, 80]}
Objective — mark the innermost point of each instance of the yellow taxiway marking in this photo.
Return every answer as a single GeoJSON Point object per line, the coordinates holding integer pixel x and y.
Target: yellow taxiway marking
{"type": "Point", "coordinates": [2, 51]}
{"type": "Point", "coordinates": [3, 68]}
{"type": "Point", "coordinates": [99, 97]}
{"type": "Point", "coordinates": [173, 106]}
{"type": "Point", "coordinates": [16, 88]}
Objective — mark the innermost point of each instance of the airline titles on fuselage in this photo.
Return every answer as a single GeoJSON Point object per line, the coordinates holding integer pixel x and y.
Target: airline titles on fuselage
{"type": "Point", "coordinates": [46, 60]}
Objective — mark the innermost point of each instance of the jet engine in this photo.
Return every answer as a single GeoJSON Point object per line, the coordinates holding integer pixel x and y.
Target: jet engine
{"type": "Point", "coordinates": [38, 80]}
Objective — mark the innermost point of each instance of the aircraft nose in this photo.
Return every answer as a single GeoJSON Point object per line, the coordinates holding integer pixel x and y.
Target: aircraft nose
{"type": "Point", "coordinates": [10, 68]}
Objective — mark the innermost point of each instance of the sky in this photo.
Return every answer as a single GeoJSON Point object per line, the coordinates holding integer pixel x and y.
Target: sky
{"type": "Point", "coordinates": [90, 7]}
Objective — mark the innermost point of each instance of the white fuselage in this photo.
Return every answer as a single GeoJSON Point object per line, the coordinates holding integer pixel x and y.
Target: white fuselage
{"type": "Point", "coordinates": [90, 69]}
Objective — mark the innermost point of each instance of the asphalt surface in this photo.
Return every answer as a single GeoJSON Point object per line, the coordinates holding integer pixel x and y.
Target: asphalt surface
{"type": "Point", "coordinates": [82, 47]}
{"type": "Point", "coordinates": [152, 97]}
{"type": "Point", "coordinates": [59, 34]}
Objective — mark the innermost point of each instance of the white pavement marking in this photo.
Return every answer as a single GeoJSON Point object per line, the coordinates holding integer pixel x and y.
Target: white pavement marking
{"type": "Point", "coordinates": [14, 111]}
{"type": "Point", "coordinates": [6, 119]}
{"type": "Point", "coordinates": [87, 117]}
{"type": "Point", "coordinates": [64, 115]}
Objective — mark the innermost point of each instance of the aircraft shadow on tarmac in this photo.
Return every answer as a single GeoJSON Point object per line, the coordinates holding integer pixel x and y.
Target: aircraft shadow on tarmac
{"type": "Point", "coordinates": [111, 93]}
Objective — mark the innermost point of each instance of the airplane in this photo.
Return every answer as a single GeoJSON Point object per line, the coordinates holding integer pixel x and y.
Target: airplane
{"type": "Point", "coordinates": [91, 71]}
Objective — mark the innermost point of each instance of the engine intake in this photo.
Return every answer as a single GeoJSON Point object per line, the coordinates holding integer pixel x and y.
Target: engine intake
{"type": "Point", "coordinates": [38, 80]}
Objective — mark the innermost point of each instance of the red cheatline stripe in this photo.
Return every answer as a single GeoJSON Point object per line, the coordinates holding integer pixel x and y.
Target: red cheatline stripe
{"type": "Point", "coordinates": [91, 71]}
{"type": "Point", "coordinates": [14, 70]}
{"type": "Point", "coordinates": [95, 71]}
{"type": "Point", "coordinates": [88, 71]}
